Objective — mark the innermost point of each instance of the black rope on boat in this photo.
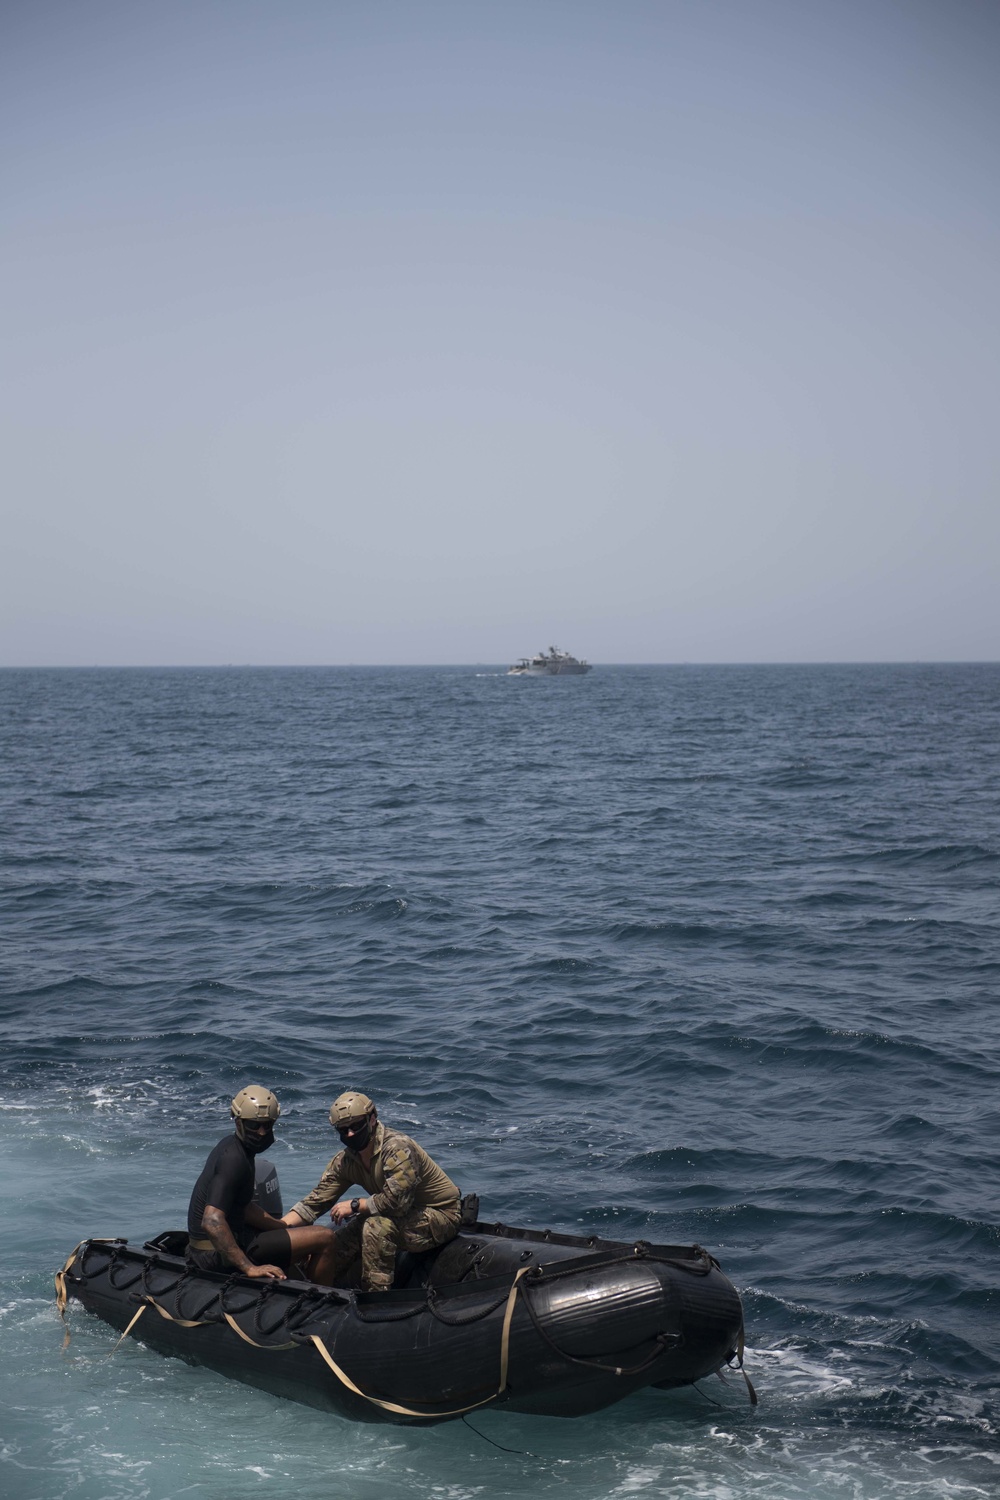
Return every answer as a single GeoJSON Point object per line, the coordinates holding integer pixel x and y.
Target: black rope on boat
{"type": "Point", "coordinates": [282, 1319]}
{"type": "Point", "coordinates": [461, 1322]}
{"type": "Point", "coordinates": [148, 1266]}
{"type": "Point", "coordinates": [186, 1283]}
{"type": "Point", "coordinates": [432, 1304]}
{"type": "Point", "coordinates": [702, 1267]}
{"type": "Point", "coordinates": [521, 1452]}
{"type": "Point", "coordinates": [188, 1280]}
{"type": "Point", "coordinates": [640, 1251]}
{"type": "Point", "coordinates": [596, 1262]}
{"type": "Point", "coordinates": [234, 1283]}
{"type": "Point", "coordinates": [308, 1304]}
{"type": "Point", "coordinates": [122, 1284]}
{"type": "Point", "coordinates": [471, 1272]}
{"type": "Point", "coordinates": [99, 1247]}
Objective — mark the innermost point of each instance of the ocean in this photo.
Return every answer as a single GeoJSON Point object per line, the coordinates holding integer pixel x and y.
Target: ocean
{"type": "Point", "coordinates": [701, 954]}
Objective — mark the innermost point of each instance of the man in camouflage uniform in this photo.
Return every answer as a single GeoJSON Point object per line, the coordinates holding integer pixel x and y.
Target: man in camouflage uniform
{"type": "Point", "coordinates": [412, 1205]}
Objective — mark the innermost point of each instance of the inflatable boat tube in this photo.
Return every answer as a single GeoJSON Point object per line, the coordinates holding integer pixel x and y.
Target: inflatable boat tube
{"type": "Point", "coordinates": [523, 1319]}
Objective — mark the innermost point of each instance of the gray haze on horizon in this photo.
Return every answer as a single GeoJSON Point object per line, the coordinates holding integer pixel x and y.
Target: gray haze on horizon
{"type": "Point", "coordinates": [435, 332]}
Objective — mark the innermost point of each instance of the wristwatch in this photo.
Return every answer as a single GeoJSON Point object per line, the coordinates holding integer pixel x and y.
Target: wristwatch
{"type": "Point", "coordinates": [355, 1205]}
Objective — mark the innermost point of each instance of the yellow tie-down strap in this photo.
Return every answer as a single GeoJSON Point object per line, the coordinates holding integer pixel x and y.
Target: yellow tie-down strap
{"type": "Point", "coordinates": [409, 1411]}
{"type": "Point", "coordinates": [739, 1361]}
{"type": "Point", "coordinates": [62, 1296]}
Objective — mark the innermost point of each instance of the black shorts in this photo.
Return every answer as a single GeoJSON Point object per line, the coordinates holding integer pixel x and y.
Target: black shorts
{"type": "Point", "coordinates": [271, 1247]}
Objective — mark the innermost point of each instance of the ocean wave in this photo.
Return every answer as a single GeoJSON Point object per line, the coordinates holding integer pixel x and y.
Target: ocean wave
{"type": "Point", "coordinates": [945, 857]}
{"type": "Point", "coordinates": [806, 776]}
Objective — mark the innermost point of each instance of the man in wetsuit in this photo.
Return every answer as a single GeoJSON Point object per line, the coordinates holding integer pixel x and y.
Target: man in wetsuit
{"type": "Point", "coordinates": [226, 1229]}
{"type": "Point", "coordinates": [413, 1205]}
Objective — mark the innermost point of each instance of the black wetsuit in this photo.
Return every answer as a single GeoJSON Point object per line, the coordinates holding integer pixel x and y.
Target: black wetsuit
{"type": "Point", "coordinates": [227, 1182]}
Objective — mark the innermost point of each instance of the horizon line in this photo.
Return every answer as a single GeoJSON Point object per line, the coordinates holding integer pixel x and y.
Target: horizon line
{"type": "Point", "coordinates": [250, 666]}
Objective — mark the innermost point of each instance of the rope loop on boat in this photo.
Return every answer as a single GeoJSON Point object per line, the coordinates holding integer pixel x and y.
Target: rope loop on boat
{"type": "Point", "coordinates": [308, 1304]}
{"type": "Point", "coordinates": [434, 1304]}
{"type": "Point", "coordinates": [270, 1287]}
{"type": "Point", "coordinates": [231, 1285]}
{"type": "Point", "coordinates": [87, 1247]}
{"type": "Point", "coordinates": [122, 1283]}
{"type": "Point", "coordinates": [704, 1265]}
{"type": "Point", "coordinates": [152, 1265]}
{"type": "Point", "coordinates": [216, 1295]}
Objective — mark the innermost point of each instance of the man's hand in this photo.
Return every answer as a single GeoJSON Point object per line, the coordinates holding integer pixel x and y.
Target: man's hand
{"type": "Point", "coordinates": [341, 1211]}
{"type": "Point", "coordinates": [216, 1226]}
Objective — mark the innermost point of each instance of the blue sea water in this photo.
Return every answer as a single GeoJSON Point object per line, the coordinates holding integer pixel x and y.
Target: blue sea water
{"type": "Point", "coordinates": [695, 954]}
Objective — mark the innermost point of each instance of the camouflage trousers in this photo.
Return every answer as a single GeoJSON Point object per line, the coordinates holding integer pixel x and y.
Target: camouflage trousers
{"type": "Point", "coordinates": [378, 1240]}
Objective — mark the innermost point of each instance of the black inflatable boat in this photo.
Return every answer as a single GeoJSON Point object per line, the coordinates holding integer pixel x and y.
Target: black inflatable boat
{"type": "Point", "coordinates": [524, 1319]}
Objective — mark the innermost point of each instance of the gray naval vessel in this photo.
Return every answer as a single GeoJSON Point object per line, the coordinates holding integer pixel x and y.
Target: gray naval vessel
{"type": "Point", "coordinates": [550, 663]}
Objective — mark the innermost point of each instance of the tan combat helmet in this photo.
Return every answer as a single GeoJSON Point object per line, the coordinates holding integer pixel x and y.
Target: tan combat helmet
{"type": "Point", "coordinates": [255, 1104]}
{"type": "Point", "coordinates": [349, 1107]}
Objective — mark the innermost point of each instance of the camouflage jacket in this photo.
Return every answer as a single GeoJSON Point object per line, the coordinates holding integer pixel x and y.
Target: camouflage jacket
{"type": "Point", "coordinates": [400, 1177]}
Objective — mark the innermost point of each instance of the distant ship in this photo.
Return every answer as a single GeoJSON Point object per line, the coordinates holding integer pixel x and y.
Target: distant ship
{"type": "Point", "coordinates": [551, 663]}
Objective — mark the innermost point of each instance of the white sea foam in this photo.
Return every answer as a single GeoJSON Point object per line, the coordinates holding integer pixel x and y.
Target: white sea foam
{"type": "Point", "coordinates": [799, 1375]}
{"type": "Point", "coordinates": [638, 1479]}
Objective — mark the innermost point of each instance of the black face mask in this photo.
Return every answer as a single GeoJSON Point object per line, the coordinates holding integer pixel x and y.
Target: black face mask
{"type": "Point", "coordinates": [358, 1139]}
{"type": "Point", "coordinates": [255, 1141]}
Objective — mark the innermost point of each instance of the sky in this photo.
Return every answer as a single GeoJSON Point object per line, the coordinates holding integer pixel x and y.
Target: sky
{"type": "Point", "coordinates": [431, 331]}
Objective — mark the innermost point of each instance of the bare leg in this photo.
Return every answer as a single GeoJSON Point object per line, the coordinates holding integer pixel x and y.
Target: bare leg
{"type": "Point", "coordinates": [315, 1250]}
{"type": "Point", "coordinates": [327, 1264]}
{"type": "Point", "coordinates": [326, 1253]}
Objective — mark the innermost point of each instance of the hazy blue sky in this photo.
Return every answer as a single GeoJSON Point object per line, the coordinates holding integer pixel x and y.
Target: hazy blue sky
{"type": "Point", "coordinates": [364, 331]}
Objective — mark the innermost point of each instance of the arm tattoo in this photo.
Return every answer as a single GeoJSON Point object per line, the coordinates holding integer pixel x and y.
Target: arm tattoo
{"type": "Point", "coordinates": [216, 1226]}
